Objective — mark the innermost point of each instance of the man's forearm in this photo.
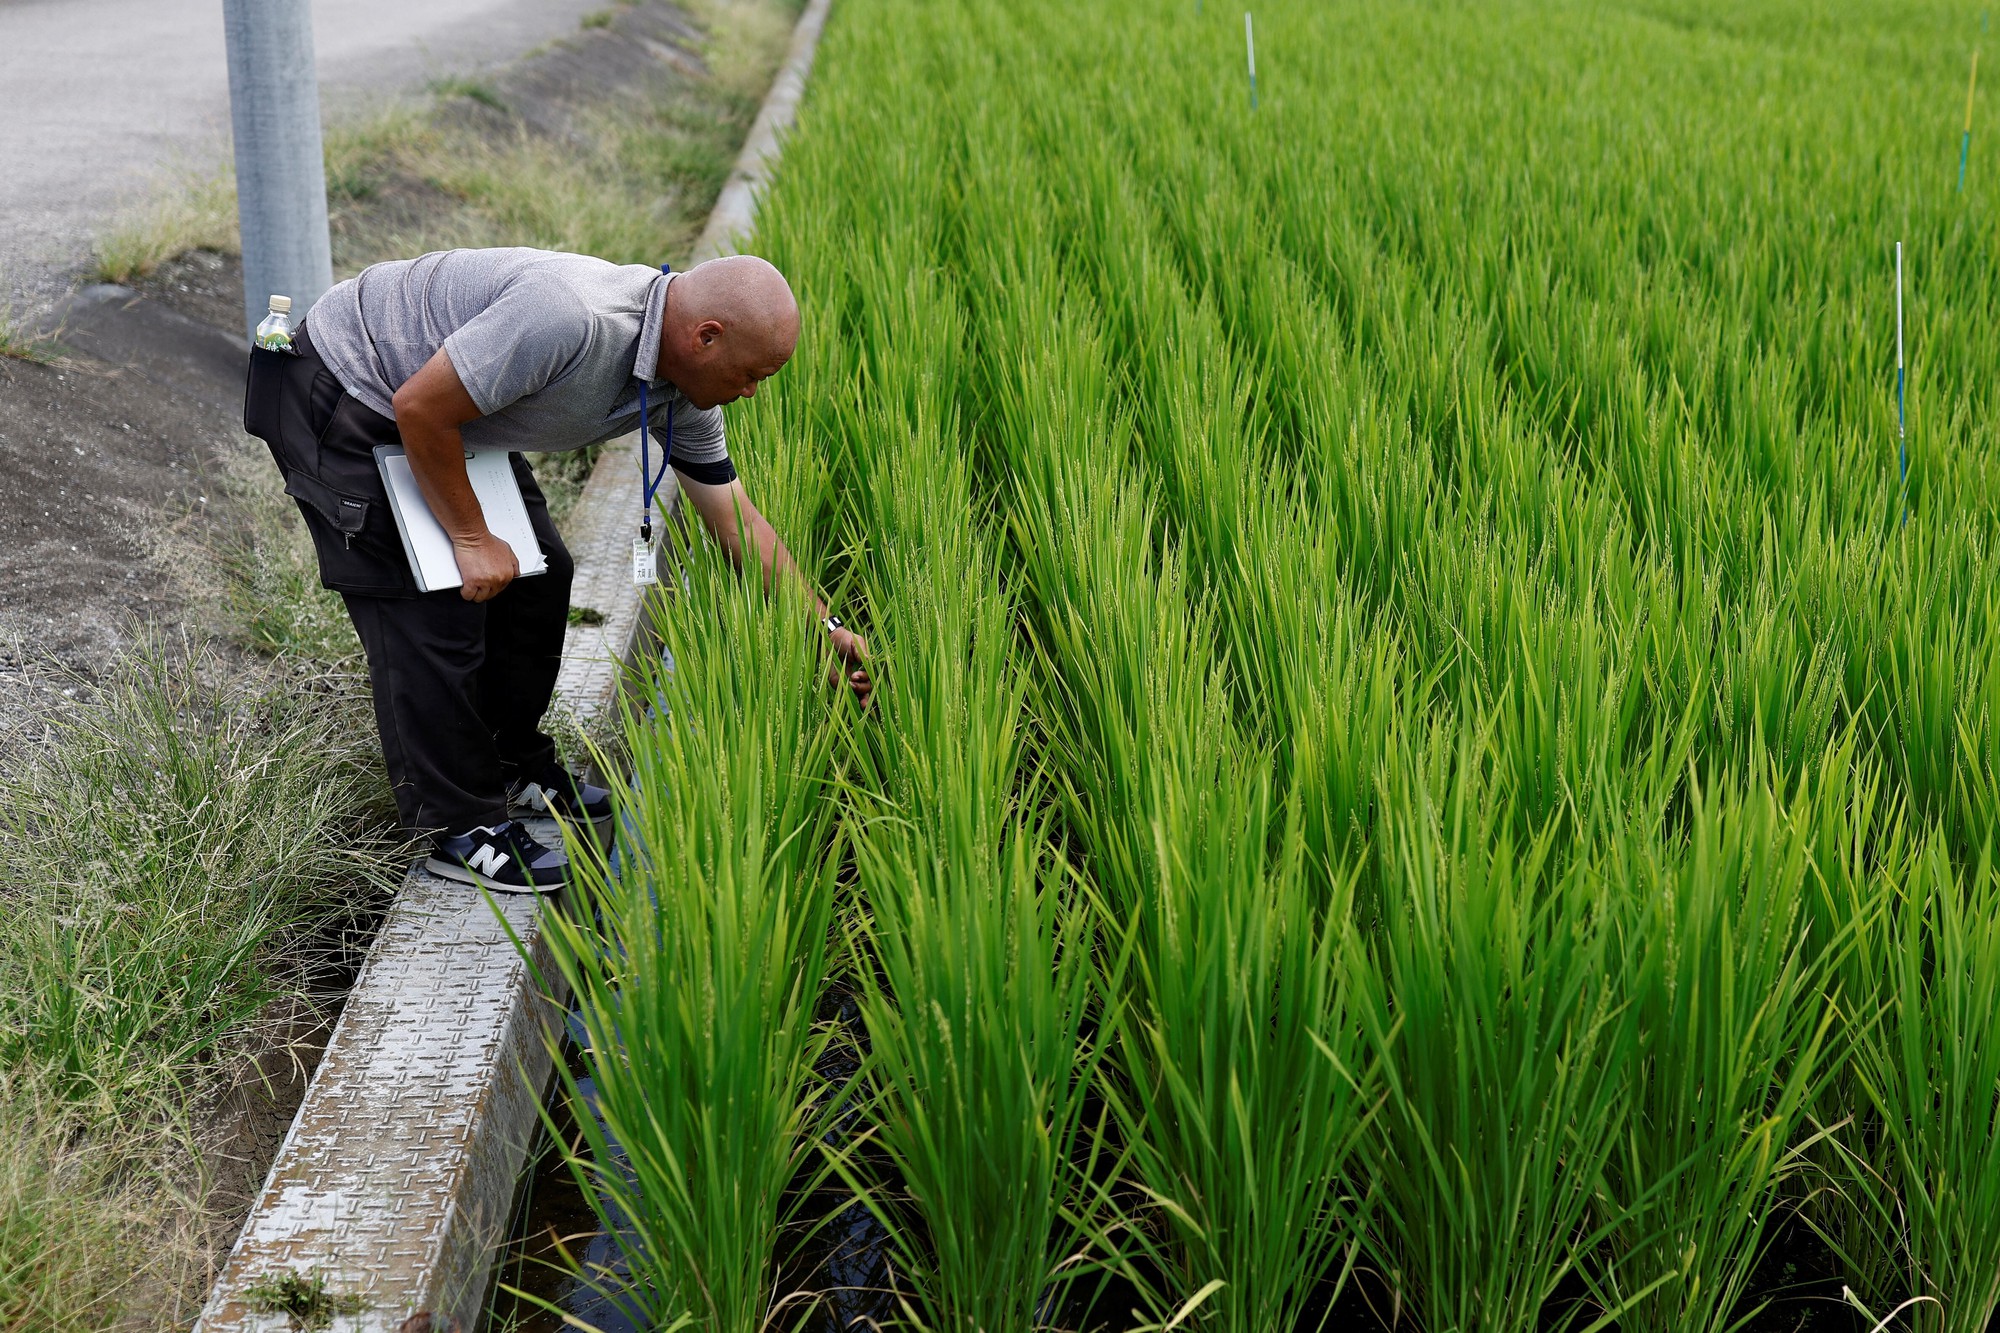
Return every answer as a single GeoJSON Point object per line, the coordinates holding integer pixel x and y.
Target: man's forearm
{"type": "Point", "coordinates": [777, 561]}
{"type": "Point", "coordinates": [437, 461]}
{"type": "Point", "coordinates": [736, 523]}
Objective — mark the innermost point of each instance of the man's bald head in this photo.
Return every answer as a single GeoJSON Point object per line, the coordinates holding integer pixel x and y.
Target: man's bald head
{"type": "Point", "coordinates": [730, 323]}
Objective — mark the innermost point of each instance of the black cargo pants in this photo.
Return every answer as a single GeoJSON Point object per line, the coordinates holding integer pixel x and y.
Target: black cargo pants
{"type": "Point", "coordinates": [460, 687]}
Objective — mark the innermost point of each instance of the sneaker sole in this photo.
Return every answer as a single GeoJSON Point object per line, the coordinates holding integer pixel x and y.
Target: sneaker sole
{"type": "Point", "coordinates": [453, 871]}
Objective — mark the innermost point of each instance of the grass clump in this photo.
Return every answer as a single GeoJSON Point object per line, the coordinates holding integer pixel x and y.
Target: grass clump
{"type": "Point", "coordinates": [21, 342]}
{"type": "Point", "coordinates": [473, 90]}
{"type": "Point", "coordinates": [188, 842]}
{"type": "Point", "coordinates": [303, 1298]}
{"type": "Point", "coordinates": [166, 794]}
{"type": "Point", "coordinates": [196, 212]}
{"type": "Point", "coordinates": [74, 1238]}
{"type": "Point", "coordinates": [629, 178]}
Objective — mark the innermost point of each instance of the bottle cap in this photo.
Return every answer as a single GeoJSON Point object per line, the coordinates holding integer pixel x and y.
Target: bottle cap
{"type": "Point", "coordinates": [282, 304]}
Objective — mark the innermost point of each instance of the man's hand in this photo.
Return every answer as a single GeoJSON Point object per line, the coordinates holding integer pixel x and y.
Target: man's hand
{"type": "Point", "coordinates": [487, 565]}
{"type": "Point", "coordinates": [852, 650]}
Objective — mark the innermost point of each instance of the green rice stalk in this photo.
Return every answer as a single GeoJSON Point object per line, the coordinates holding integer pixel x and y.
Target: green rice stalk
{"type": "Point", "coordinates": [698, 965]}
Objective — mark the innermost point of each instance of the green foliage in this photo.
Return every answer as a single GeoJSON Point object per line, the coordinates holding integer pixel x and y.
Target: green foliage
{"type": "Point", "coordinates": [972, 949]}
{"type": "Point", "coordinates": [255, 579]}
{"type": "Point", "coordinates": [168, 878]}
{"type": "Point", "coordinates": [563, 476]}
{"type": "Point", "coordinates": [473, 90]}
{"type": "Point", "coordinates": [196, 211]}
{"type": "Point", "coordinates": [698, 971]}
{"type": "Point", "coordinates": [20, 340]}
{"type": "Point", "coordinates": [629, 178]}
{"type": "Point", "coordinates": [1410, 584]}
{"type": "Point", "coordinates": [71, 1236]}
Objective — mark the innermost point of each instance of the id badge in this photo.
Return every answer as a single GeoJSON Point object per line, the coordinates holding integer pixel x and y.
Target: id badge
{"type": "Point", "coordinates": [645, 563]}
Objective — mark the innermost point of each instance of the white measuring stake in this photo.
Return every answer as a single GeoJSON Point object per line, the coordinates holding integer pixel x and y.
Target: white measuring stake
{"type": "Point", "coordinates": [1899, 340]}
{"type": "Point", "coordinates": [1250, 49]}
{"type": "Point", "coordinates": [1902, 450]}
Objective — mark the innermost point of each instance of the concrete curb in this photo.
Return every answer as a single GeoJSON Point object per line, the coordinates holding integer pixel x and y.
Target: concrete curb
{"type": "Point", "coordinates": [735, 211]}
{"type": "Point", "coordinates": [399, 1172]}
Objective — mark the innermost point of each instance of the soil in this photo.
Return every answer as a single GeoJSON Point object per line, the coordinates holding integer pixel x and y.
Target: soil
{"type": "Point", "coordinates": [116, 438]}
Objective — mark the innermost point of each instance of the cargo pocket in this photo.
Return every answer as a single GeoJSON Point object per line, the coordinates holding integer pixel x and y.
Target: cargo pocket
{"type": "Point", "coordinates": [345, 514]}
{"type": "Point", "coordinates": [287, 403]}
{"type": "Point", "coordinates": [353, 553]}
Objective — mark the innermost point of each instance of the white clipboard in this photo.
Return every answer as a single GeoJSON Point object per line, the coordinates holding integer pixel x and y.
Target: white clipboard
{"type": "Point", "coordinates": [425, 543]}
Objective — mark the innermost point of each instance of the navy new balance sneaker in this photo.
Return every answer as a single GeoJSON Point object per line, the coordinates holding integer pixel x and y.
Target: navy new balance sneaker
{"type": "Point", "coordinates": [556, 793]}
{"type": "Point", "coordinates": [503, 858]}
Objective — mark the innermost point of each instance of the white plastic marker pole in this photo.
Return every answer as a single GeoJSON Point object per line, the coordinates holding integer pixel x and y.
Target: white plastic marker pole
{"type": "Point", "coordinates": [1250, 48]}
{"type": "Point", "coordinates": [1902, 450]}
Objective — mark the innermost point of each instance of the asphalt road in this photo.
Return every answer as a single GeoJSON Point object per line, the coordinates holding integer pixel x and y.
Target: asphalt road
{"type": "Point", "coordinates": [101, 100]}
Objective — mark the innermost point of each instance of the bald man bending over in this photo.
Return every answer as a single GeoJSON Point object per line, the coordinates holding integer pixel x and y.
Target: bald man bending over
{"type": "Point", "coordinates": [515, 350]}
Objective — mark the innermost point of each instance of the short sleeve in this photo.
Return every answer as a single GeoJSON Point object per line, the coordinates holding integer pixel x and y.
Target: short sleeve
{"type": "Point", "coordinates": [521, 343]}
{"type": "Point", "coordinates": [701, 448]}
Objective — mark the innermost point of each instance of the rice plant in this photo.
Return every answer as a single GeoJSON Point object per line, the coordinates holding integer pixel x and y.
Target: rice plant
{"type": "Point", "coordinates": [697, 958]}
{"type": "Point", "coordinates": [1731, 996]}
{"type": "Point", "coordinates": [1416, 736]}
{"type": "Point", "coordinates": [1927, 1184]}
{"type": "Point", "coordinates": [1509, 1056]}
{"type": "Point", "coordinates": [972, 951]}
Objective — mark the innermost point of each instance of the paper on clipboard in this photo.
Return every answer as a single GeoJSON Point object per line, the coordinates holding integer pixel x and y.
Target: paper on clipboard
{"type": "Point", "coordinates": [425, 542]}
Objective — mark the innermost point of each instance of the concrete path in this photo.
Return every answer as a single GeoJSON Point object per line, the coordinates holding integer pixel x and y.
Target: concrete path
{"type": "Point", "coordinates": [102, 99]}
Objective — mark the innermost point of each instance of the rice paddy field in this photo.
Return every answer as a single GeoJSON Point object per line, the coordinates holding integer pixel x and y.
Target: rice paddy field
{"type": "Point", "coordinates": [1427, 772]}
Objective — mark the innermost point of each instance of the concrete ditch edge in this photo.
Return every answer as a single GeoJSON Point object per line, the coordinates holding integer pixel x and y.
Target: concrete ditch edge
{"type": "Point", "coordinates": [396, 1179]}
{"type": "Point", "coordinates": [735, 211]}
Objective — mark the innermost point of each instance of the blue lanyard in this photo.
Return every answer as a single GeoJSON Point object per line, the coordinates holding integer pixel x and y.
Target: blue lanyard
{"type": "Point", "coordinates": [649, 480]}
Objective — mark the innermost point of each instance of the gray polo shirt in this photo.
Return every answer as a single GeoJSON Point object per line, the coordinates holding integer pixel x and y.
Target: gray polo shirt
{"type": "Point", "coordinates": [550, 346]}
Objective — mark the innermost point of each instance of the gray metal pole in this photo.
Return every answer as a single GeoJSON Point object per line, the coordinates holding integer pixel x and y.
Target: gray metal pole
{"type": "Point", "coordinates": [280, 165]}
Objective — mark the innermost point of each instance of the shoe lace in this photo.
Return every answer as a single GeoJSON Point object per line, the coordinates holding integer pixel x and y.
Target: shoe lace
{"type": "Point", "coordinates": [515, 834]}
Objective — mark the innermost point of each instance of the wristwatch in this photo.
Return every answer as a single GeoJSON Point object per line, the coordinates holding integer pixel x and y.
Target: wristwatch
{"type": "Point", "coordinates": [833, 623]}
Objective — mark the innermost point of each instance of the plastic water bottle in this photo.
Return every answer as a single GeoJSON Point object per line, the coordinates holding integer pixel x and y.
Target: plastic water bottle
{"type": "Point", "coordinates": [275, 333]}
